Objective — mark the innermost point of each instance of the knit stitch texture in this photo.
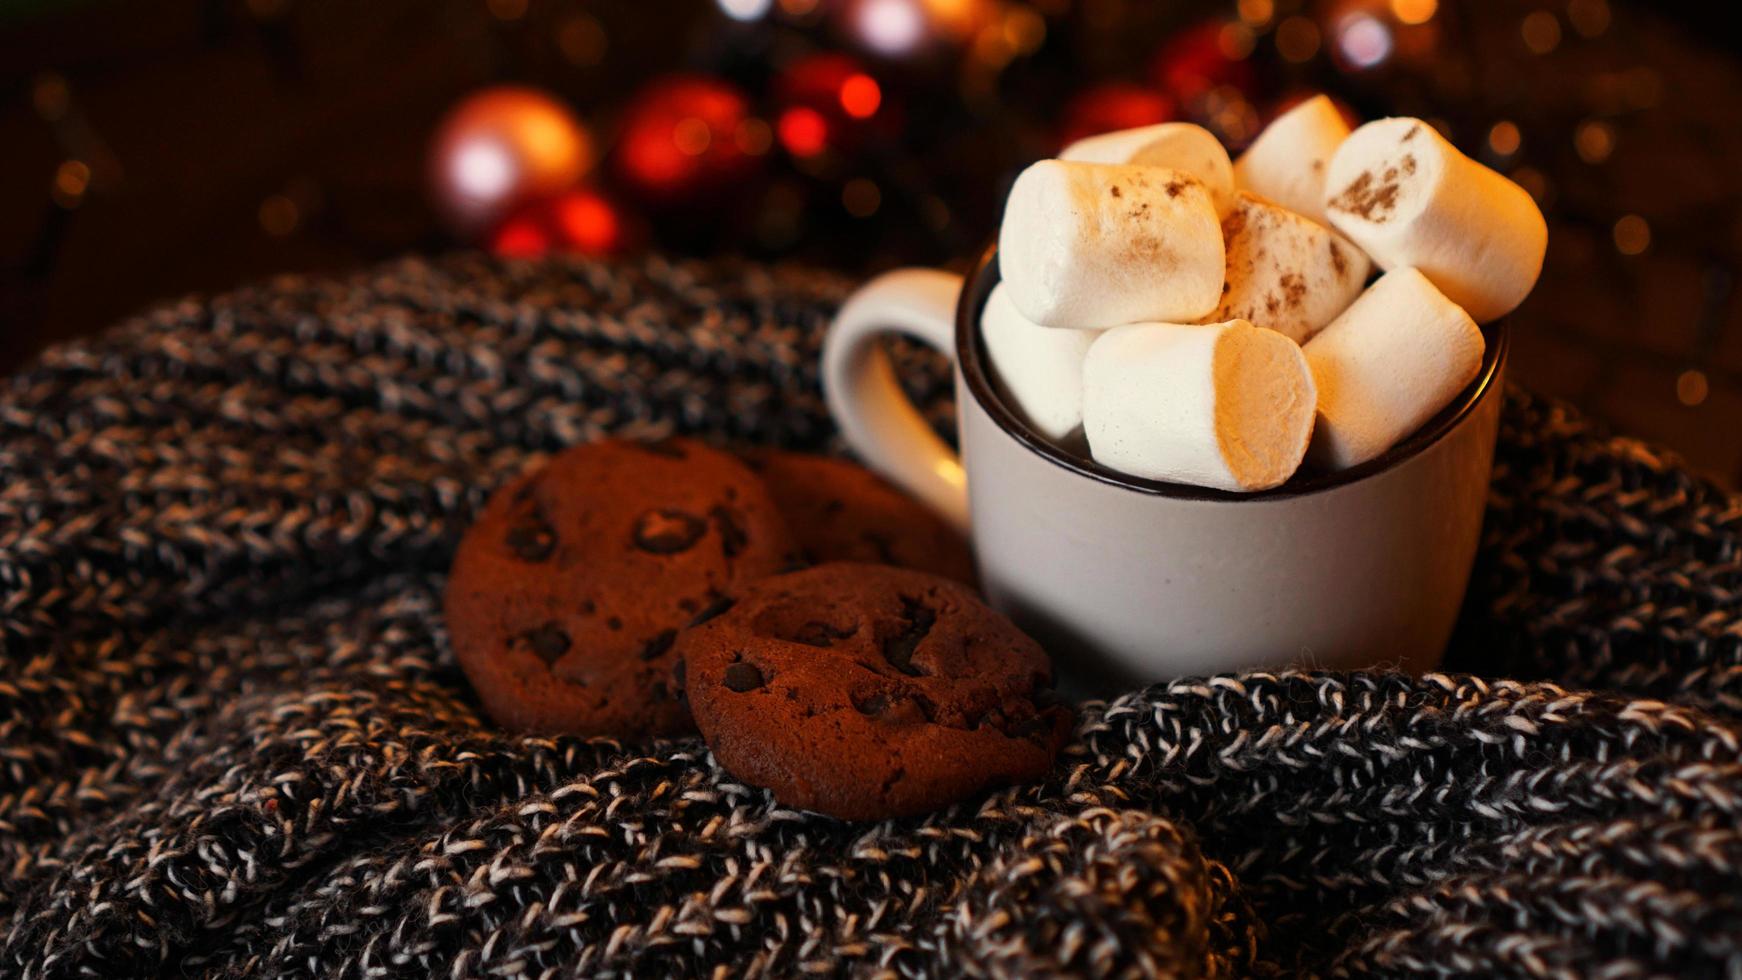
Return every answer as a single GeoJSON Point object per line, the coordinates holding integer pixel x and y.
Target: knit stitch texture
{"type": "Point", "coordinates": [234, 742]}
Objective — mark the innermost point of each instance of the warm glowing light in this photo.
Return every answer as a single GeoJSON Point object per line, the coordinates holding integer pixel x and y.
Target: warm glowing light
{"type": "Point", "coordinates": [691, 136]}
{"type": "Point", "coordinates": [1024, 30]}
{"type": "Point", "coordinates": [798, 8]}
{"type": "Point", "coordinates": [520, 238]}
{"type": "Point", "coordinates": [1632, 235]}
{"type": "Point", "coordinates": [483, 170]}
{"type": "Point", "coordinates": [745, 9]}
{"type": "Point", "coordinates": [50, 96]}
{"type": "Point", "coordinates": [753, 137]}
{"type": "Point", "coordinates": [1504, 138]}
{"type": "Point", "coordinates": [1533, 182]}
{"type": "Point", "coordinates": [1589, 17]}
{"type": "Point", "coordinates": [1414, 11]}
{"type": "Point", "coordinates": [581, 39]}
{"type": "Point", "coordinates": [1691, 388]}
{"type": "Point", "coordinates": [803, 131]}
{"type": "Point", "coordinates": [71, 179]}
{"type": "Point", "coordinates": [587, 223]}
{"type": "Point", "coordinates": [279, 215]}
{"type": "Point", "coordinates": [1364, 40]}
{"type": "Point", "coordinates": [1542, 32]}
{"type": "Point", "coordinates": [1257, 12]}
{"type": "Point", "coordinates": [1235, 41]}
{"type": "Point", "coordinates": [861, 197]}
{"type": "Point", "coordinates": [507, 9]}
{"type": "Point", "coordinates": [860, 96]}
{"type": "Point", "coordinates": [890, 27]}
{"type": "Point", "coordinates": [1594, 140]}
{"type": "Point", "coordinates": [1297, 39]}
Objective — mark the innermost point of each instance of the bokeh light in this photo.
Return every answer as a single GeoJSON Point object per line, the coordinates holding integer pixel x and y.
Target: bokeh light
{"type": "Point", "coordinates": [745, 10]}
{"type": "Point", "coordinates": [803, 131]}
{"type": "Point", "coordinates": [1632, 235]}
{"type": "Point", "coordinates": [890, 27]}
{"type": "Point", "coordinates": [1414, 11]}
{"type": "Point", "coordinates": [1363, 40]}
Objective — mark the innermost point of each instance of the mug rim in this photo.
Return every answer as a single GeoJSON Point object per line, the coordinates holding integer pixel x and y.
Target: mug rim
{"type": "Point", "coordinates": [971, 360]}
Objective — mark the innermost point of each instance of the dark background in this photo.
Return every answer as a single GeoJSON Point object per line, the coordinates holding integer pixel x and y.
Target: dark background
{"type": "Point", "coordinates": [156, 147]}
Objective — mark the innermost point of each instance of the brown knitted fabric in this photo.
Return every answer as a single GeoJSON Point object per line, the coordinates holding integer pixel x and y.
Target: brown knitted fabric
{"type": "Point", "coordinates": [233, 740]}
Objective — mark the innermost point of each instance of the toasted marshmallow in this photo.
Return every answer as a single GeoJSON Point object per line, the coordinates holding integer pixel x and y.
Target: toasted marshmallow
{"type": "Point", "coordinates": [1397, 355]}
{"type": "Point", "coordinates": [1091, 245]}
{"type": "Point", "coordinates": [1224, 405]}
{"type": "Point", "coordinates": [1286, 163]}
{"type": "Point", "coordinates": [1177, 146]}
{"type": "Point", "coordinates": [1409, 198]}
{"type": "Point", "coordinates": [1040, 367]}
{"type": "Point", "coordinates": [1285, 272]}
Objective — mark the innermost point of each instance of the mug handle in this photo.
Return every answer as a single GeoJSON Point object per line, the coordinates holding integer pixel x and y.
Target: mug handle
{"type": "Point", "coordinates": [866, 400]}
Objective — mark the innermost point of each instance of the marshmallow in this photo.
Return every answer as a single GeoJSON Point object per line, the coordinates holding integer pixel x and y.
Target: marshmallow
{"type": "Point", "coordinates": [1286, 163]}
{"type": "Point", "coordinates": [1093, 245]}
{"type": "Point", "coordinates": [1223, 405]}
{"type": "Point", "coordinates": [1177, 146]}
{"type": "Point", "coordinates": [1041, 368]}
{"type": "Point", "coordinates": [1396, 357]}
{"type": "Point", "coordinates": [1285, 272]}
{"type": "Point", "coordinates": [1409, 198]}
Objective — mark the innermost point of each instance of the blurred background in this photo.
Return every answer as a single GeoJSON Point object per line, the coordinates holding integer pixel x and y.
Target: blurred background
{"type": "Point", "coordinates": [149, 148]}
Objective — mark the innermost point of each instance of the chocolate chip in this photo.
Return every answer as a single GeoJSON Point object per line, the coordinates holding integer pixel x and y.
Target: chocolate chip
{"type": "Point", "coordinates": [716, 608]}
{"type": "Point", "coordinates": [819, 634]}
{"type": "Point", "coordinates": [896, 707]}
{"type": "Point", "coordinates": [656, 647]}
{"type": "Point", "coordinates": [531, 542]}
{"type": "Point", "coordinates": [743, 677]}
{"type": "Point", "coordinates": [548, 642]}
{"type": "Point", "coordinates": [917, 622]}
{"type": "Point", "coordinates": [732, 536]}
{"type": "Point", "coordinates": [667, 531]}
{"type": "Point", "coordinates": [614, 623]}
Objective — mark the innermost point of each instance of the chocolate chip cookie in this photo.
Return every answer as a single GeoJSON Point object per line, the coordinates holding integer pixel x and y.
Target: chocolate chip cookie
{"type": "Point", "coordinates": [566, 595]}
{"type": "Point", "coordinates": [840, 511]}
{"type": "Point", "coordinates": [865, 691]}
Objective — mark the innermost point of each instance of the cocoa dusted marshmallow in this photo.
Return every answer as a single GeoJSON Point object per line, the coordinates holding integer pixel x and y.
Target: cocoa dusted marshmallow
{"type": "Point", "coordinates": [1285, 272]}
{"type": "Point", "coordinates": [1286, 163]}
{"type": "Point", "coordinates": [1092, 245]}
{"type": "Point", "coordinates": [1177, 146]}
{"type": "Point", "coordinates": [1040, 367]}
{"type": "Point", "coordinates": [1409, 198]}
{"type": "Point", "coordinates": [1397, 355]}
{"type": "Point", "coordinates": [1224, 405]}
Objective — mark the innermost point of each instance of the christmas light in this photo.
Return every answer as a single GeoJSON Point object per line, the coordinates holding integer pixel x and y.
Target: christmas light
{"type": "Point", "coordinates": [745, 10]}
{"type": "Point", "coordinates": [890, 27]}
{"type": "Point", "coordinates": [803, 131]}
{"type": "Point", "coordinates": [1363, 40]}
{"type": "Point", "coordinates": [1632, 235]}
{"type": "Point", "coordinates": [860, 96]}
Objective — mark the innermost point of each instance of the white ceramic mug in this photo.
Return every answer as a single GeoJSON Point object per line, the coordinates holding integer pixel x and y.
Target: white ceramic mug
{"type": "Point", "coordinates": [1131, 580]}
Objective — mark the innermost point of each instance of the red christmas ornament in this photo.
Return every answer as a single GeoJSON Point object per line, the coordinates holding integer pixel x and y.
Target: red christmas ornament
{"type": "Point", "coordinates": [686, 136]}
{"type": "Point", "coordinates": [499, 149]}
{"type": "Point", "coordinates": [1199, 59]}
{"type": "Point", "coordinates": [576, 222]}
{"type": "Point", "coordinates": [1113, 106]}
{"type": "Point", "coordinates": [826, 102]}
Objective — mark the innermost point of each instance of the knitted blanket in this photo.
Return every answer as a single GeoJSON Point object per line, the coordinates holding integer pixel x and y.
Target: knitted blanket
{"type": "Point", "coordinates": [233, 740]}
